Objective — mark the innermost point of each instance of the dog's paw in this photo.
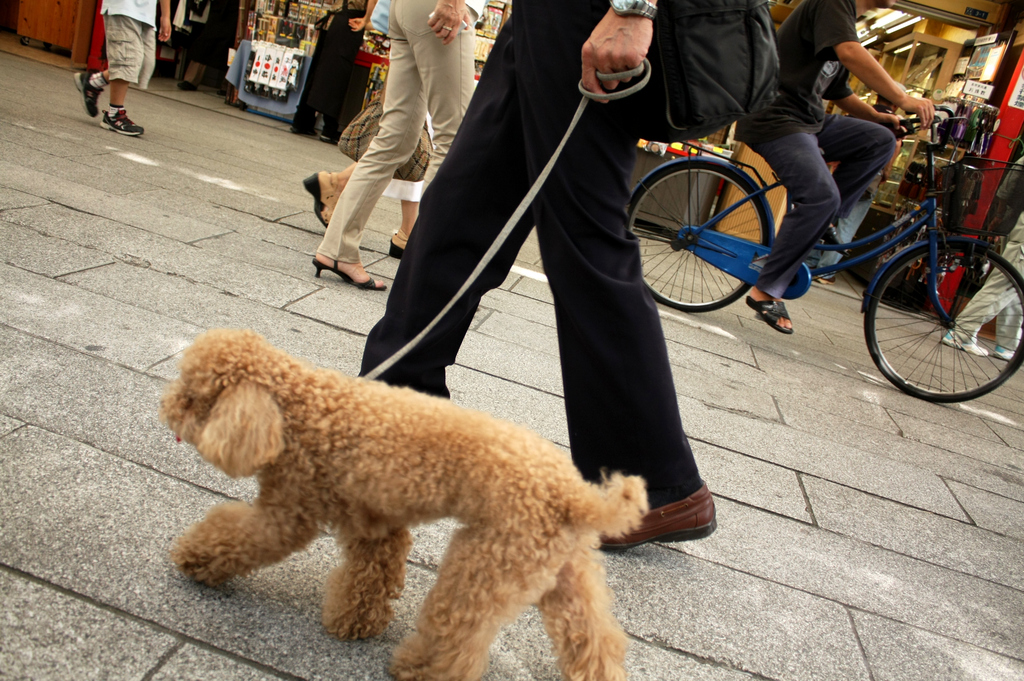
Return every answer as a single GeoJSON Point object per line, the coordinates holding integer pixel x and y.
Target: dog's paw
{"type": "Point", "coordinates": [203, 565]}
{"type": "Point", "coordinates": [352, 625]}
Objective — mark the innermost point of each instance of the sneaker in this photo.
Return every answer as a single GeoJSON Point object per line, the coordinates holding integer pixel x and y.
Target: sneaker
{"type": "Point", "coordinates": [89, 94]}
{"type": "Point", "coordinates": [970, 345]}
{"type": "Point", "coordinates": [121, 124]}
{"type": "Point", "coordinates": [1003, 353]}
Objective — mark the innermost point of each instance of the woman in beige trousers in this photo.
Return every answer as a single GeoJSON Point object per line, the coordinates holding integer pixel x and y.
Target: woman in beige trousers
{"type": "Point", "coordinates": [432, 46]}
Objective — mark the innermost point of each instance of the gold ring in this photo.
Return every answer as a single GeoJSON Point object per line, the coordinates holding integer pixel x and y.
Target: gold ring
{"type": "Point", "coordinates": [448, 28]}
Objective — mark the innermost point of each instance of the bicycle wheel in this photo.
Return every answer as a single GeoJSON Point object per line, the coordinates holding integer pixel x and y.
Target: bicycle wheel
{"type": "Point", "coordinates": [689, 193]}
{"type": "Point", "coordinates": [920, 354]}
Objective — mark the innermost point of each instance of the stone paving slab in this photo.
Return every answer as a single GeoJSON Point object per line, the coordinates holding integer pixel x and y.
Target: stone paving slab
{"type": "Point", "coordinates": [504, 327]}
{"type": "Point", "coordinates": [750, 481]}
{"type": "Point", "coordinates": [122, 209]}
{"type": "Point", "coordinates": [192, 663]}
{"type": "Point", "coordinates": [166, 255]}
{"type": "Point", "coordinates": [245, 194]}
{"type": "Point", "coordinates": [826, 413]}
{"type": "Point", "coordinates": [890, 446]}
{"type": "Point", "coordinates": [1012, 437]}
{"type": "Point", "coordinates": [89, 323]}
{"type": "Point", "coordinates": [12, 198]}
{"type": "Point", "coordinates": [8, 425]}
{"type": "Point", "coordinates": [91, 400]}
{"type": "Point", "coordinates": [536, 289]}
{"type": "Point", "coordinates": [919, 534]}
{"type": "Point", "coordinates": [29, 250]}
{"type": "Point", "coordinates": [900, 653]}
{"type": "Point", "coordinates": [991, 511]}
{"type": "Point", "coordinates": [341, 305]}
{"type": "Point", "coordinates": [541, 412]}
{"type": "Point", "coordinates": [95, 175]}
{"type": "Point", "coordinates": [519, 306]}
{"type": "Point", "coordinates": [208, 308]}
{"type": "Point", "coordinates": [699, 375]}
{"type": "Point", "coordinates": [51, 635]}
{"type": "Point", "coordinates": [862, 576]}
{"type": "Point", "coordinates": [820, 456]}
{"type": "Point", "coordinates": [955, 440]}
{"type": "Point", "coordinates": [46, 139]}
{"type": "Point", "coordinates": [514, 362]}
{"type": "Point", "coordinates": [236, 246]}
{"type": "Point", "coordinates": [690, 331]}
{"type": "Point", "coordinates": [745, 623]}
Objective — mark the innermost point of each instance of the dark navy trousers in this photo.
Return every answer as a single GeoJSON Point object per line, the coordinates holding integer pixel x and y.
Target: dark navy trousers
{"type": "Point", "coordinates": [619, 394]}
{"type": "Point", "coordinates": [815, 195]}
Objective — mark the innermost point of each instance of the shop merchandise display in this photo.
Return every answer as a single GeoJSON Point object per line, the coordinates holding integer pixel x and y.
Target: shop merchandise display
{"type": "Point", "coordinates": [291, 23]}
{"type": "Point", "coordinates": [273, 70]}
{"type": "Point", "coordinates": [495, 14]}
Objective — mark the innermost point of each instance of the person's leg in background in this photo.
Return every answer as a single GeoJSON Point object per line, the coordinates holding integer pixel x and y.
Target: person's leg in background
{"type": "Point", "coordinates": [448, 75]}
{"type": "Point", "coordinates": [405, 109]}
{"type": "Point", "coordinates": [131, 50]}
{"type": "Point", "coordinates": [814, 200]}
{"type": "Point", "coordinates": [846, 229]}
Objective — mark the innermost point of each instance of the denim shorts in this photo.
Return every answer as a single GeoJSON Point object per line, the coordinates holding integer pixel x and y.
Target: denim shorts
{"type": "Point", "coordinates": [131, 49]}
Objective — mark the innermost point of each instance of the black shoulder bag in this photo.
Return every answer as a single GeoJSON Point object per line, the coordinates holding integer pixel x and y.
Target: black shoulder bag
{"type": "Point", "coordinates": [719, 60]}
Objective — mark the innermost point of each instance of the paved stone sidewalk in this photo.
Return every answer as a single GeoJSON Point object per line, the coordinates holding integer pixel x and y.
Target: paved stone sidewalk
{"type": "Point", "coordinates": [863, 534]}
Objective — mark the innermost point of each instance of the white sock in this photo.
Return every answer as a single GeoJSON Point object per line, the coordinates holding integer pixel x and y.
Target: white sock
{"type": "Point", "coordinates": [97, 80]}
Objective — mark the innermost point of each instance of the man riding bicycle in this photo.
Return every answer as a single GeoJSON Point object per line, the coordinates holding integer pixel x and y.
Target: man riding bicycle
{"type": "Point", "coordinates": [818, 49]}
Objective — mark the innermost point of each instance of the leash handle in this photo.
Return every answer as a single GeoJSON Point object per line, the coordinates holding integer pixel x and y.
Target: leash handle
{"type": "Point", "coordinates": [644, 68]}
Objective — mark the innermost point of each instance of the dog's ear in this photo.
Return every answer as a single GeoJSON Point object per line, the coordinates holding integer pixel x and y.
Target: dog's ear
{"type": "Point", "coordinates": [244, 431]}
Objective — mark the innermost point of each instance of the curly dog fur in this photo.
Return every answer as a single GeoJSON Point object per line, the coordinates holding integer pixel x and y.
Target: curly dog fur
{"type": "Point", "coordinates": [367, 461]}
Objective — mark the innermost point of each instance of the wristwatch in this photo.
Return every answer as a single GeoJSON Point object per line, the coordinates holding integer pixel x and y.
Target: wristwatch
{"type": "Point", "coordinates": [638, 7]}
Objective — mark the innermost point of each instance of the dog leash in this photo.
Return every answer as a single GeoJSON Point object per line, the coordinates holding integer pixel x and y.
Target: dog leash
{"type": "Point", "coordinates": [506, 231]}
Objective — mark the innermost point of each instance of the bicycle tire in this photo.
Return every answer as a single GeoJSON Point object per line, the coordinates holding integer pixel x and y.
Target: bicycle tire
{"type": "Point", "coordinates": [905, 336]}
{"type": "Point", "coordinates": [688, 192]}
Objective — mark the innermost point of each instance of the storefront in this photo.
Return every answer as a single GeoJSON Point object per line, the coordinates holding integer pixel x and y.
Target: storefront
{"type": "Point", "coordinates": [283, 34]}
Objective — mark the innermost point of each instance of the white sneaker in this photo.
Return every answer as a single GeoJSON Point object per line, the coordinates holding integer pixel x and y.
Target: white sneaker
{"type": "Point", "coordinates": [970, 345]}
{"type": "Point", "coordinates": [1003, 353]}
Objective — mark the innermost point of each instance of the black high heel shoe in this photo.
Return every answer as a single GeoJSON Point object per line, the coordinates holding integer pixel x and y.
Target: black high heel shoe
{"type": "Point", "coordinates": [395, 251]}
{"type": "Point", "coordinates": [369, 284]}
{"type": "Point", "coordinates": [312, 185]}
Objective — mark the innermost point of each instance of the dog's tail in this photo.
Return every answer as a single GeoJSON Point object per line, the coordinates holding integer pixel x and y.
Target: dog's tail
{"type": "Point", "coordinates": [621, 504]}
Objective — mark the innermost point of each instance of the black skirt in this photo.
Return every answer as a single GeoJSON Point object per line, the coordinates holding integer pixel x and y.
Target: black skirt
{"type": "Point", "coordinates": [210, 46]}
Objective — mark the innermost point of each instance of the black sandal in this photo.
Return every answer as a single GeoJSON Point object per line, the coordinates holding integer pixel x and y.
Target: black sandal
{"type": "Point", "coordinates": [369, 284]}
{"type": "Point", "coordinates": [312, 185]}
{"type": "Point", "coordinates": [771, 311]}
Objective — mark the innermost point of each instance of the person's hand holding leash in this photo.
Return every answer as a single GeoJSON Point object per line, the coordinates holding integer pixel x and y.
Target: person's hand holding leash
{"type": "Point", "coordinates": [447, 18]}
{"type": "Point", "coordinates": [618, 43]}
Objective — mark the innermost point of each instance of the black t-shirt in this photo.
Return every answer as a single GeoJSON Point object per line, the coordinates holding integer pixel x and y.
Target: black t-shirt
{"type": "Point", "coordinates": [808, 71]}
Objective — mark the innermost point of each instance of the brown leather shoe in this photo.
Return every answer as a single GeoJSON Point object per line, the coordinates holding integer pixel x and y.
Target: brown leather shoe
{"type": "Point", "coordinates": [690, 518]}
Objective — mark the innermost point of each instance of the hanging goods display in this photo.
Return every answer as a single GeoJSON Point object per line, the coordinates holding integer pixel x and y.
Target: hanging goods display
{"type": "Point", "coordinates": [272, 71]}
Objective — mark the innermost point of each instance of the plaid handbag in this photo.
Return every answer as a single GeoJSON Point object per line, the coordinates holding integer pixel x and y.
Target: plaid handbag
{"type": "Point", "coordinates": [355, 140]}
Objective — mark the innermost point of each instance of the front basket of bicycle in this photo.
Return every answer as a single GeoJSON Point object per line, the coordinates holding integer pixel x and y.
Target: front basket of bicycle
{"type": "Point", "coordinates": [982, 197]}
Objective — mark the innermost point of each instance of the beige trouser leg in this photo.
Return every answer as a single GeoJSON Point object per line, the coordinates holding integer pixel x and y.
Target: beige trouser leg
{"type": "Point", "coordinates": [423, 74]}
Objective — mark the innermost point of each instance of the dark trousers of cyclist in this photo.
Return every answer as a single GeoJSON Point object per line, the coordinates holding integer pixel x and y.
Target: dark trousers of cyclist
{"type": "Point", "coordinates": [619, 394]}
{"type": "Point", "coordinates": [816, 196]}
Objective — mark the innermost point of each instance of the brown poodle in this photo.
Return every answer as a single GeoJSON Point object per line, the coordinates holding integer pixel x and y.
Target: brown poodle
{"type": "Point", "coordinates": [367, 461]}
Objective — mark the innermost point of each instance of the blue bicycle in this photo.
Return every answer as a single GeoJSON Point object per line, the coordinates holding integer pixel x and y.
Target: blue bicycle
{"type": "Point", "coordinates": [705, 229]}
